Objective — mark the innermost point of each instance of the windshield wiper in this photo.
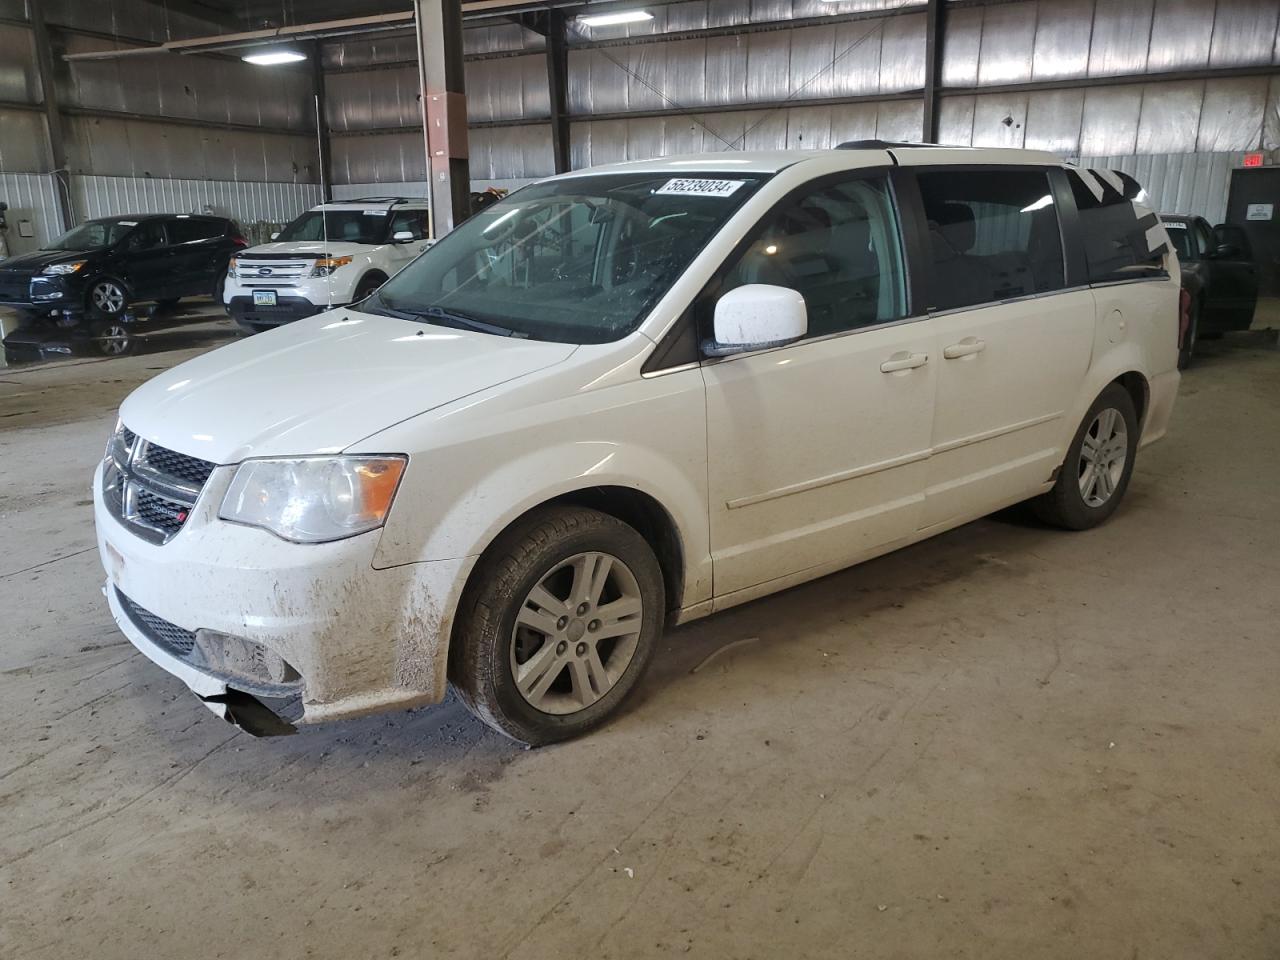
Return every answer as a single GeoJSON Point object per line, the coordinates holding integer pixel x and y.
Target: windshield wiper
{"type": "Point", "coordinates": [450, 318]}
{"type": "Point", "coordinates": [438, 315]}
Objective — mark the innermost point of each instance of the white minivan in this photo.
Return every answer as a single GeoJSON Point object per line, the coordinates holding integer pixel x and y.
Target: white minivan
{"type": "Point", "coordinates": [625, 398]}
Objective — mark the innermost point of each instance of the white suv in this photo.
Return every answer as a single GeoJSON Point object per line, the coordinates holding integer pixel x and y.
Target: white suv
{"type": "Point", "coordinates": [332, 255]}
{"type": "Point", "coordinates": [625, 398]}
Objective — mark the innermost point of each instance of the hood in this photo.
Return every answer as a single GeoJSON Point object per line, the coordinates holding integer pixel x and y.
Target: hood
{"type": "Point", "coordinates": [321, 384]}
{"type": "Point", "coordinates": [306, 249]}
{"type": "Point", "coordinates": [37, 260]}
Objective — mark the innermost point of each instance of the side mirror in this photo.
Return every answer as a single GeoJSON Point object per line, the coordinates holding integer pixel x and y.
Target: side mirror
{"type": "Point", "coordinates": [276, 235]}
{"type": "Point", "coordinates": [402, 236]}
{"type": "Point", "coordinates": [1226, 251]}
{"type": "Point", "coordinates": [756, 317]}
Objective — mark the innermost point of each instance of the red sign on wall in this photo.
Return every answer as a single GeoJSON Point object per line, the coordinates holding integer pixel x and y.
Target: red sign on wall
{"type": "Point", "coordinates": [1253, 159]}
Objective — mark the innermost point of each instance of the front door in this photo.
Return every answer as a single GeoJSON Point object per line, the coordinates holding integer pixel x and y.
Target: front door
{"type": "Point", "coordinates": [817, 451]}
{"type": "Point", "coordinates": [1013, 346]}
{"type": "Point", "coordinates": [1254, 207]}
{"type": "Point", "coordinates": [402, 251]}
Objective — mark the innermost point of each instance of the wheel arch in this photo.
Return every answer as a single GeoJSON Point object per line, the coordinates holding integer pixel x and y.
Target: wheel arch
{"type": "Point", "coordinates": [636, 508]}
{"type": "Point", "coordinates": [1139, 390]}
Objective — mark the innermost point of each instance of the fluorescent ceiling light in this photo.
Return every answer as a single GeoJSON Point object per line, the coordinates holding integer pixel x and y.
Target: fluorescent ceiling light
{"type": "Point", "coordinates": [612, 19]}
{"type": "Point", "coordinates": [269, 58]}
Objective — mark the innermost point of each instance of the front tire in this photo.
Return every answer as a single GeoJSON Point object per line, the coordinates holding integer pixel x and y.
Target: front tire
{"type": "Point", "coordinates": [1095, 475]}
{"type": "Point", "coordinates": [107, 298]}
{"type": "Point", "coordinates": [366, 287]}
{"type": "Point", "coordinates": [558, 624]}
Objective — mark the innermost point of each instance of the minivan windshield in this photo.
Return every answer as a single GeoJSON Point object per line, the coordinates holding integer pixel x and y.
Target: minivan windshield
{"type": "Point", "coordinates": [93, 235]}
{"type": "Point", "coordinates": [580, 260]}
{"type": "Point", "coordinates": [350, 226]}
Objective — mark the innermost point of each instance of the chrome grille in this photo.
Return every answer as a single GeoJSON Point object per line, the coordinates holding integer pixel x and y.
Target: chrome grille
{"type": "Point", "coordinates": [251, 273]}
{"type": "Point", "coordinates": [168, 635]}
{"type": "Point", "coordinates": [151, 488]}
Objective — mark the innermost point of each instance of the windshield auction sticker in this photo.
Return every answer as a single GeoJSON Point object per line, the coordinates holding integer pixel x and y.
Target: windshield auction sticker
{"type": "Point", "coordinates": [699, 187]}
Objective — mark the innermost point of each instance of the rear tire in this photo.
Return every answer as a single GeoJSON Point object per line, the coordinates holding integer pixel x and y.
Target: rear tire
{"type": "Point", "coordinates": [557, 624]}
{"type": "Point", "coordinates": [1093, 479]}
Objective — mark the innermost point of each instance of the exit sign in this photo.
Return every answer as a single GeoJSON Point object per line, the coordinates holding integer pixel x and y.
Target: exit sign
{"type": "Point", "coordinates": [1253, 159]}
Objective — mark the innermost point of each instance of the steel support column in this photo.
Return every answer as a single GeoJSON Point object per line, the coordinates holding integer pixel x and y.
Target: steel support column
{"type": "Point", "coordinates": [52, 115]}
{"type": "Point", "coordinates": [444, 111]}
{"type": "Point", "coordinates": [558, 87]}
{"type": "Point", "coordinates": [935, 31]}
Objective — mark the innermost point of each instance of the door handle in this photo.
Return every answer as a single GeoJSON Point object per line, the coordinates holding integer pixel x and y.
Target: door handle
{"type": "Point", "coordinates": [904, 361]}
{"type": "Point", "coordinates": [965, 348]}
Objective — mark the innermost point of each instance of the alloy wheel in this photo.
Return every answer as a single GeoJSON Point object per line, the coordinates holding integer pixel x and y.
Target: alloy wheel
{"type": "Point", "coordinates": [576, 633]}
{"type": "Point", "coordinates": [108, 297]}
{"type": "Point", "coordinates": [113, 339]}
{"type": "Point", "coordinates": [1103, 453]}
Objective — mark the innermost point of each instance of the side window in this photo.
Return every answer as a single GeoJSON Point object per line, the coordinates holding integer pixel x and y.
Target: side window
{"type": "Point", "coordinates": [993, 235]}
{"type": "Point", "coordinates": [838, 246]}
{"type": "Point", "coordinates": [1115, 225]}
{"type": "Point", "coordinates": [193, 230]}
{"type": "Point", "coordinates": [1180, 235]}
{"type": "Point", "coordinates": [147, 236]}
{"type": "Point", "coordinates": [415, 221]}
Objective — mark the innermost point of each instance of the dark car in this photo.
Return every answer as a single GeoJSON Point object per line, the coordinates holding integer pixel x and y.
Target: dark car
{"type": "Point", "coordinates": [91, 275]}
{"type": "Point", "coordinates": [1218, 276]}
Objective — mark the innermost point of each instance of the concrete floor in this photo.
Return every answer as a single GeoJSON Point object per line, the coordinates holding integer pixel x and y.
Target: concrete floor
{"type": "Point", "coordinates": [1006, 742]}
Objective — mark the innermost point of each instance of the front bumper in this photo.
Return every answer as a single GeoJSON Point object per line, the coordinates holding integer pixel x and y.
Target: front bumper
{"type": "Point", "coordinates": [286, 310]}
{"type": "Point", "coordinates": [362, 639]}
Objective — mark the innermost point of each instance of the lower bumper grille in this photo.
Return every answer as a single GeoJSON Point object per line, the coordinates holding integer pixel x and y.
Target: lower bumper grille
{"type": "Point", "coordinates": [172, 637]}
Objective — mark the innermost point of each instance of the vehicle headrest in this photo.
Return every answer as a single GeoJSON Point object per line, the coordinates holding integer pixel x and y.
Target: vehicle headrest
{"type": "Point", "coordinates": [955, 223]}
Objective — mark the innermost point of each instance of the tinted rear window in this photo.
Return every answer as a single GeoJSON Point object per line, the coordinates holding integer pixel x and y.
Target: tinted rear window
{"type": "Point", "coordinates": [1123, 239]}
{"type": "Point", "coordinates": [993, 234]}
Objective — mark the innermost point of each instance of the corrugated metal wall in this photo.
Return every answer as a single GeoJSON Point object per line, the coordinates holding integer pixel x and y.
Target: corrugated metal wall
{"type": "Point", "coordinates": [245, 201]}
{"type": "Point", "coordinates": [757, 80]}
{"type": "Point", "coordinates": [33, 197]}
{"type": "Point", "coordinates": [705, 85]}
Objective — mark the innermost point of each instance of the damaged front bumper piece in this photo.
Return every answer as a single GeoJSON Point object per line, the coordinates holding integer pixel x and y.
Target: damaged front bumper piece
{"type": "Point", "coordinates": [240, 681]}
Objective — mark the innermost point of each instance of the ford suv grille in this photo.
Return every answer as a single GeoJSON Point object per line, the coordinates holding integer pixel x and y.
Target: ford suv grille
{"type": "Point", "coordinates": [271, 273]}
{"type": "Point", "coordinates": [150, 488]}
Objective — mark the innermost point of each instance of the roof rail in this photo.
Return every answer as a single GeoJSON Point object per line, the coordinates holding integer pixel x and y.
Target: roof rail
{"type": "Point", "coordinates": [881, 145]}
{"type": "Point", "coordinates": [376, 200]}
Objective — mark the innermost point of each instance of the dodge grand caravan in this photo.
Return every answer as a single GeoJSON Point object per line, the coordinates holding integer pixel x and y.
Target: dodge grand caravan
{"type": "Point", "coordinates": [625, 398]}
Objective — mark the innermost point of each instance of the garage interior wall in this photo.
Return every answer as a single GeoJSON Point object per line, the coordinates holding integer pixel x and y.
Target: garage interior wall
{"type": "Point", "coordinates": [1170, 90]}
{"type": "Point", "coordinates": [1188, 84]}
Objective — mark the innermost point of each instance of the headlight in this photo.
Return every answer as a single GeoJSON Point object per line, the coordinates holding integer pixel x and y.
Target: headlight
{"type": "Point", "coordinates": [326, 265]}
{"type": "Point", "coordinates": [58, 269]}
{"type": "Point", "coordinates": [314, 499]}
{"type": "Point", "coordinates": [231, 268]}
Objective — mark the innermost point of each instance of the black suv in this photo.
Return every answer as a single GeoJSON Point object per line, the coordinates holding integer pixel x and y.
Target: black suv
{"type": "Point", "coordinates": [102, 266]}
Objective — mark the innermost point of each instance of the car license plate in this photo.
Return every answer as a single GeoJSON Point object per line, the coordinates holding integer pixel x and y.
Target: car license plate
{"type": "Point", "coordinates": [264, 298]}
